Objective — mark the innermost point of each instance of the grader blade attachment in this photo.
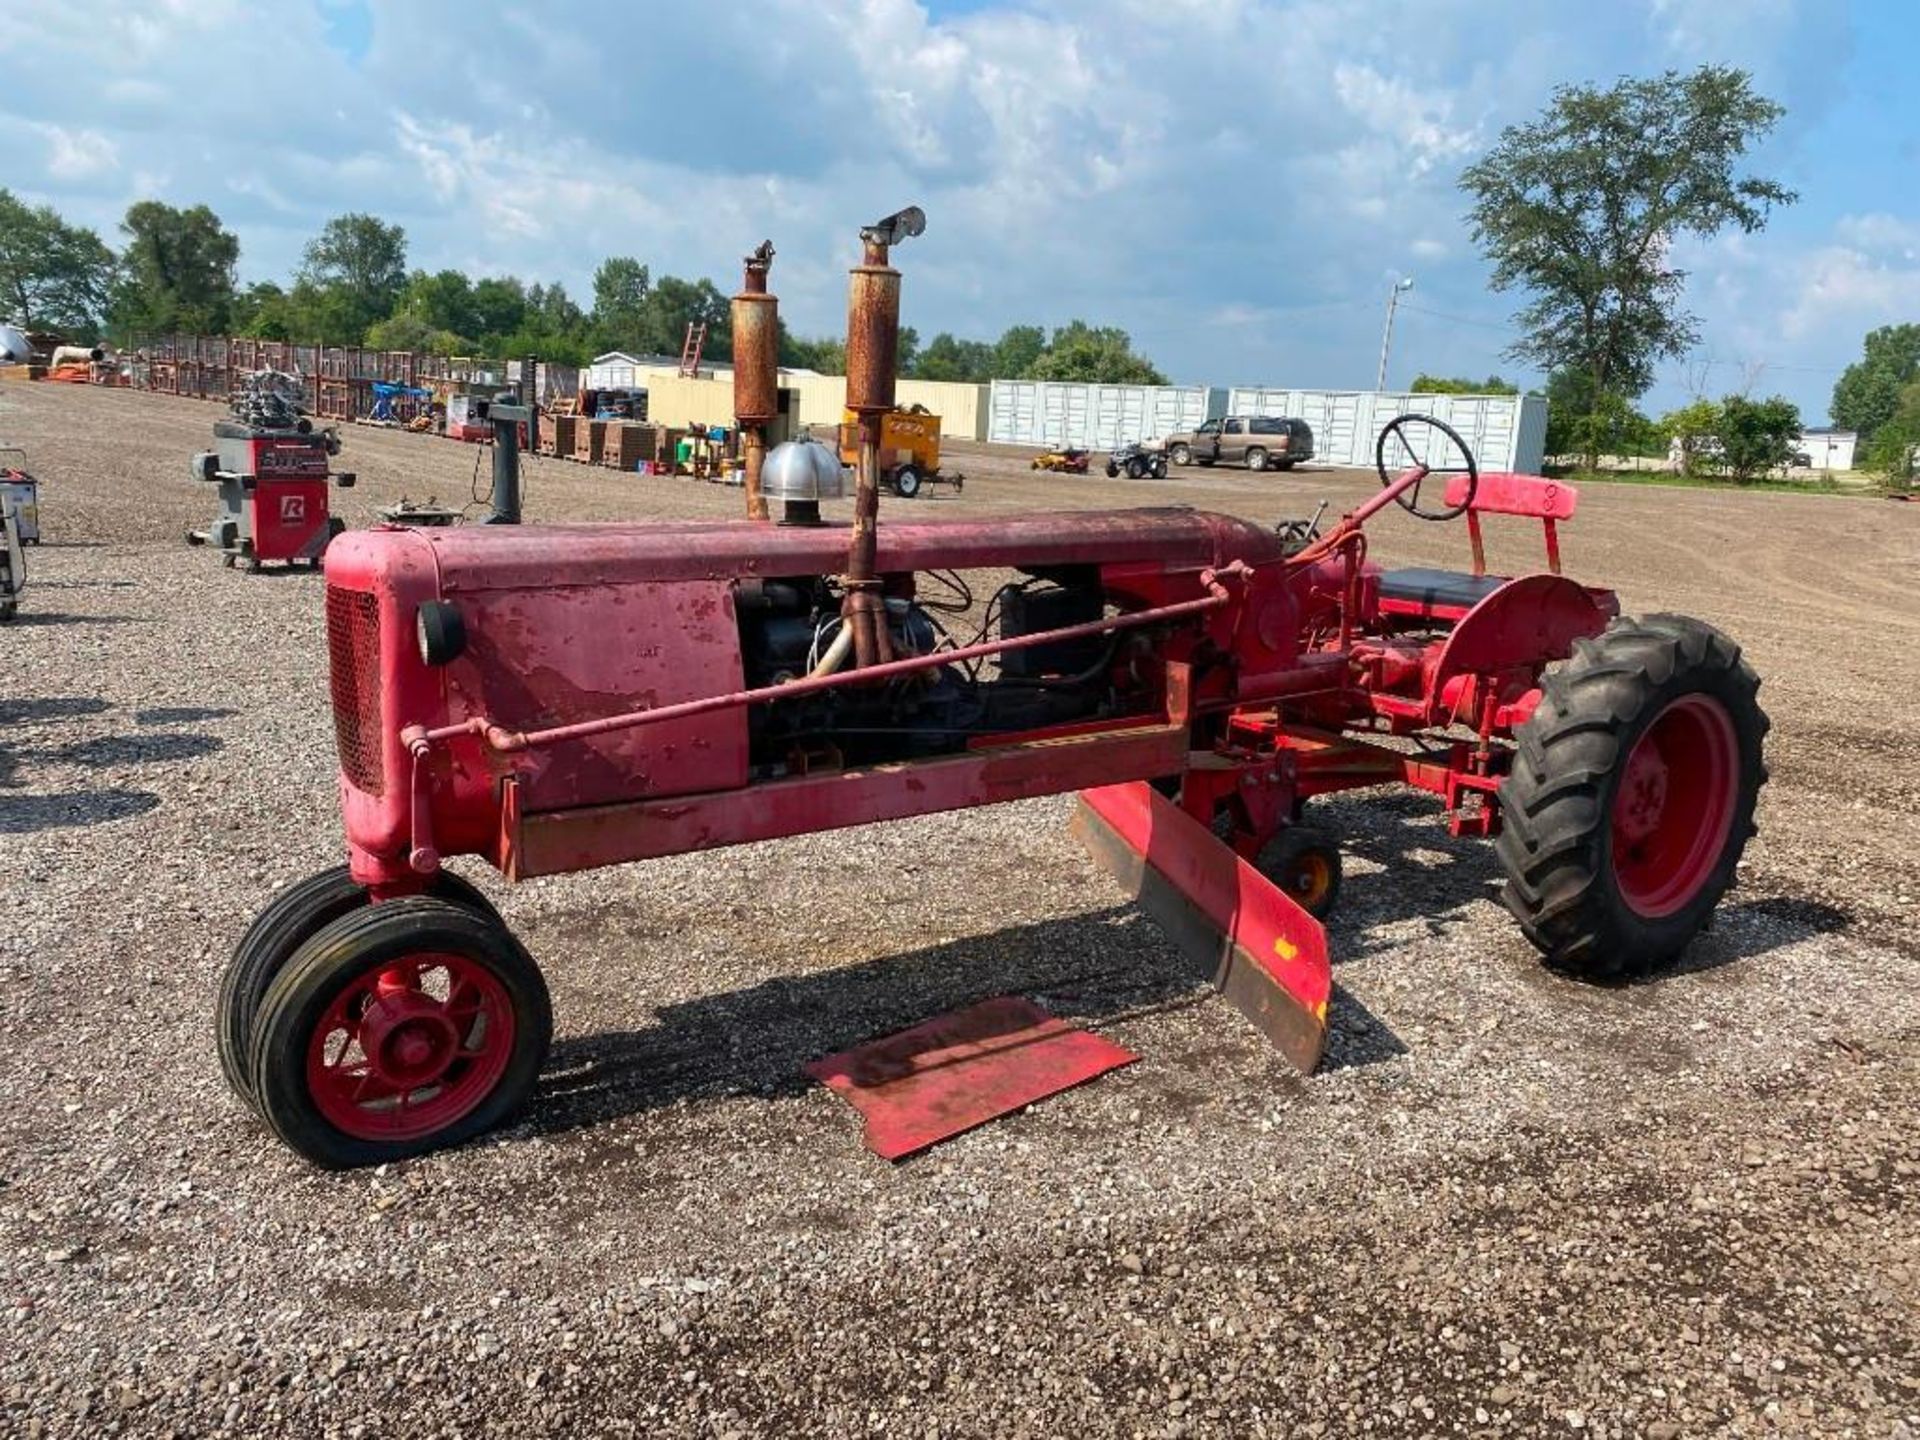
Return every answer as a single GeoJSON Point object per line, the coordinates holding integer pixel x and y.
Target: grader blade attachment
{"type": "Point", "coordinates": [1267, 956]}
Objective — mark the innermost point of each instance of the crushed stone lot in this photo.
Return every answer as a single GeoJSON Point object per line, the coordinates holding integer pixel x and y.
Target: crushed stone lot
{"type": "Point", "coordinates": [1508, 1205]}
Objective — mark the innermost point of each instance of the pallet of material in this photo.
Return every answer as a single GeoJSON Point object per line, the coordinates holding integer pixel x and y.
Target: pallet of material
{"type": "Point", "coordinates": [589, 441]}
{"type": "Point", "coordinates": [557, 435]}
{"type": "Point", "coordinates": [629, 443]}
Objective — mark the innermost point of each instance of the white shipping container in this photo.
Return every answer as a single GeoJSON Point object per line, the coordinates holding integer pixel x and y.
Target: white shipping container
{"type": "Point", "coordinates": [1094, 417]}
{"type": "Point", "coordinates": [1505, 432]}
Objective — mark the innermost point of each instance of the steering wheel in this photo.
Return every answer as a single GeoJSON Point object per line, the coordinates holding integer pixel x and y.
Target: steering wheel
{"type": "Point", "coordinates": [1410, 497]}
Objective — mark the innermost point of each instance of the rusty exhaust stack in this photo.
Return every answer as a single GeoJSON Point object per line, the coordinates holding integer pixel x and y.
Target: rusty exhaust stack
{"type": "Point", "coordinates": [756, 369]}
{"type": "Point", "coordinates": [873, 352]}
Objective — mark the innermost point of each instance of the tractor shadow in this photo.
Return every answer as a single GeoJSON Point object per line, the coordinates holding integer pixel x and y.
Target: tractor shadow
{"type": "Point", "coordinates": [50, 707]}
{"type": "Point", "coordinates": [1097, 969]}
{"type": "Point", "coordinates": [30, 619]}
{"type": "Point", "coordinates": [1430, 878]}
{"type": "Point", "coordinates": [66, 808]}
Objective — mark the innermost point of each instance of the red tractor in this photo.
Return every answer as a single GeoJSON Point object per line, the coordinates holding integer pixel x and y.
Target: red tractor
{"type": "Point", "coordinates": [559, 699]}
{"type": "Point", "coordinates": [1198, 678]}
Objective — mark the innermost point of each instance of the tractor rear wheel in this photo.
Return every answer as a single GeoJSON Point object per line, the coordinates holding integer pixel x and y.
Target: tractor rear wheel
{"type": "Point", "coordinates": [291, 918]}
{"type": "Point", "coordinates": [400, 1028]}
{"type": "Point", "coordinates": [1631, 796]}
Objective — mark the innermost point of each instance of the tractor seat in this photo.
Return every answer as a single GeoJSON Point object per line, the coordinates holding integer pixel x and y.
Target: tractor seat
{"type": "Point", "coordinates": [1446, 594]}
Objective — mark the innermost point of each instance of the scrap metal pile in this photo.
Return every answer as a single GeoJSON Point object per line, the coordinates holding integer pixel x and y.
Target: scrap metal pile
{"type": "Point", "coordinates": [269, 400]}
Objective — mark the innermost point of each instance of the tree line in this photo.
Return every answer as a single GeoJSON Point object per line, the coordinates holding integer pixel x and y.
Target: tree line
{"type": "Point", "coordinates": [176, 271]}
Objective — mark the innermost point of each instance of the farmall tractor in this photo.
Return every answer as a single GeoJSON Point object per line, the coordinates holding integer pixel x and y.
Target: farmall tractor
{"type": "Point", "coordinates": [554, 699]}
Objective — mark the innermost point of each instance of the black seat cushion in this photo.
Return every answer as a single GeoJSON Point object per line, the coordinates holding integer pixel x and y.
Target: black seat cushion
{"type": "Point", "coordinates": [1453, 589]}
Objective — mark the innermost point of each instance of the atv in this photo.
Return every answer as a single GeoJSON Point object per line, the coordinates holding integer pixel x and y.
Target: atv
{"type": "Point", "coordinates": [1138, 460]}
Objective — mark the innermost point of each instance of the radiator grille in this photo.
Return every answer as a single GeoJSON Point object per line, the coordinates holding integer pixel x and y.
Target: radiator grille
{"type": "Point", "coordinates": [353, 656]}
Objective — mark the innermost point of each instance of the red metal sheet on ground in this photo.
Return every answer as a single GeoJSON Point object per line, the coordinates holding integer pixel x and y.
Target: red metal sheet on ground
{"type": "Point", "coordinates": [956, 1071]}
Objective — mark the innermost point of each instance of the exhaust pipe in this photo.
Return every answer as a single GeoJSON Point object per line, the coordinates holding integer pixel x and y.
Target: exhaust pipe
{"type": "Point", "coordinates": [756, 369]}
{"type": "Point", "coordinates": [873, 355]}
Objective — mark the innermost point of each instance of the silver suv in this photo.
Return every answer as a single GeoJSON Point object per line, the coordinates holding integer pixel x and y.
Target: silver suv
{"type": "Point", "coordinates": [1259, 442]}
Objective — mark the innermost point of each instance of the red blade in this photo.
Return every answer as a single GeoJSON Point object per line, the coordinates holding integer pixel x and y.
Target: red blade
{"type": "Point", "coordinates": [956, 1071]}
{"type": "Point", "coordinates": [1268, 956]}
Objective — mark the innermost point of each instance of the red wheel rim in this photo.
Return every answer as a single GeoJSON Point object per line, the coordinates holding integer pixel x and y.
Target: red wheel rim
{"type": "Point", "coordinates": [409, 1048]}
{"type": "Point", "coordinates": [1674, 804]}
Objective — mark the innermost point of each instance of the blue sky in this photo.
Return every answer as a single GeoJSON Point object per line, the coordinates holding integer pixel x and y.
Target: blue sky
{"type": "Point", "coordinates": [1235, 182]}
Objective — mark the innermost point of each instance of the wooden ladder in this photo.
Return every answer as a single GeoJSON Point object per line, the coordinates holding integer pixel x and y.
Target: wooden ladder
{"type": "Point", "coordinates": [690, 351]}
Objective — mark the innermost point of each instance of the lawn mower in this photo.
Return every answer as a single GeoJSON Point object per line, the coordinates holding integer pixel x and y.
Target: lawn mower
{"type": "Point", "coordinates": [558, 699]}
{"type": "Point", "coordinates": [1138, 461]}
{"type": "Point", "coordinates": [1063, 461]}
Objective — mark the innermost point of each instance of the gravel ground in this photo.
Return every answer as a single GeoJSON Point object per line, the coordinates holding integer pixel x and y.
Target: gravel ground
{"type": "Point", "coordinates": [1509, 1205]}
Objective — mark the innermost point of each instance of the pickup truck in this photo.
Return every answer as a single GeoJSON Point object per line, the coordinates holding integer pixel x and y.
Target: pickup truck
{"type": "Point", "coordinates": [1259, 442]}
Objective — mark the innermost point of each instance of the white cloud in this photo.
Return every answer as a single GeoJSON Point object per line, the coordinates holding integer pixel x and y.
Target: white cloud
{"type": "Point", "coordinates": [77, 154]}
{"type": "Point", "coordinates": [1226, 178]}
{"type": "Point", "coordinates": [1868, 275]}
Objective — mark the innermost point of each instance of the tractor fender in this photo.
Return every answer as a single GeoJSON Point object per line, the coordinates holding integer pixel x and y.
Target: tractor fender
{"type": "Point", "coordinates": [1527, 623]}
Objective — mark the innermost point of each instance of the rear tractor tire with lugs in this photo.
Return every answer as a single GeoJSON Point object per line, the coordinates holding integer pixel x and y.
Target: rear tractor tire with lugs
{"type": "Point", "coordinates": [1631, 796]}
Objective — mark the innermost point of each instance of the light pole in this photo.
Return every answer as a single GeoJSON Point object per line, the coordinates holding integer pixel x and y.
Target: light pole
{"type": "Point", "coordinates": [1386, 339]}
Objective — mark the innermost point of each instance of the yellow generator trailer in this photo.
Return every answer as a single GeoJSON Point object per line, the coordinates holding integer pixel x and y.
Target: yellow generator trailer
{"type": "Point", "coordinates": [909, 450]}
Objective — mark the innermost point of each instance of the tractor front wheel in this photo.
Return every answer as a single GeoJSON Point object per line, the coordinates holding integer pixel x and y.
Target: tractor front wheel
{"type": "Point", "coordinates": [400, 1028]}
{"type": "Point", "coordinates": [1631, 796]}
{"type": "Point", "coordinates": [291, 918]}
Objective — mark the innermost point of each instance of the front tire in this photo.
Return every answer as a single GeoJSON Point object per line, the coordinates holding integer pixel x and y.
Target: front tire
{"type": "Point", "coordinates": [1181, 455]}
{"type": "Point", "coordinates": [401, 1028]}
{"type": "Point", "coordinates": [1632, 795]}
{"type": "Point", "coordinates": [291, 918]}
{"type": "Point", "coordinates": [1136, 467]}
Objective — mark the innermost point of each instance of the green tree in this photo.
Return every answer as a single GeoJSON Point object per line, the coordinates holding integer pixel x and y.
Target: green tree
{"type": "Point", "coordinates": [1895, 451]}
{"type": "Point", "coordinates": [826, 354]}
{"type": "Point", "coordinates": [176, 272]}
{"type": "Point", "coordinates": [1580, 208]}
{"type": "Point", "coordinates": [946, 358]}
{"type": "Point", "coordinates": [354, 273]}
{"type": "Point", "coordinates": [672, 304]}
{"type": "Point", "coordinates": [1870, 390]}
{"type": "Point", "coordinates": [499, 307]}
{"type": "Point", "coordinates": [261, 311]}
{"type": "Point", "coordinates": [620, 288]}
{"type": "Point", "coordinates": [52, 275]}
{"type": "Point", "coordinates": [1587, 425]}
{"type": "Point", "coordinates": [1757, 436]}
{"type": "Point", "coordinates": [404, 330]}
{"type": "Point", "coordinates": [1696, 428]}
{"type": "Point", "coordinates": [1078, 351]}
{"type": "Point", "coordinates": [1459, 385]}
{"type": "Point", "coordinates": [551, 308]}
{"type": "Point", "coordinates": [1017, 350]}
{"type": "Point", "coordinates": [442, 301]}
{"type": "Point", "coordinates": [552, 327]}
